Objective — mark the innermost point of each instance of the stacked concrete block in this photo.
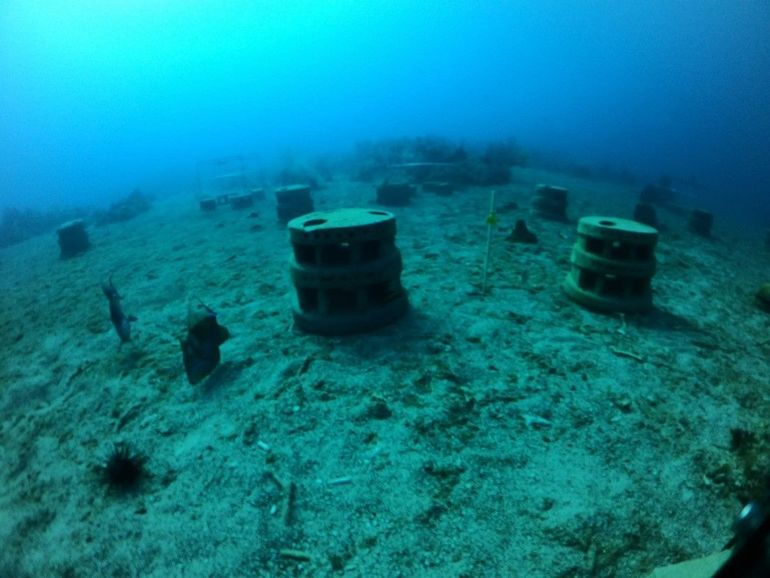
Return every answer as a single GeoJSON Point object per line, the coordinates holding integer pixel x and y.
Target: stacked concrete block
{"type": "Point", "coordinates": [73, 238]}
{"type": "Point", "coordinates": [346, 271]}
{"type": "Point", "coordinates": [701, 222]}
{"type": "Point", "coordinates": [612, 265]}
{"type": "Point", "coordinates": [550, 202]}
{"type": "Point", "coordinates": [396, 194]}
{"type": "Point", "coordinates": [645, 213]}
{"type": "Point", "coordinates": [293, 201]}
{"type": "Point", "coordinates": [242, 201]}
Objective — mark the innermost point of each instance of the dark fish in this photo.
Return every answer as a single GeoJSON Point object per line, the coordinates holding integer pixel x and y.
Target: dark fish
{"type": "Point", "coordinates": [200, 349]}
{"type": "Point", "coordinates": [120, 320]}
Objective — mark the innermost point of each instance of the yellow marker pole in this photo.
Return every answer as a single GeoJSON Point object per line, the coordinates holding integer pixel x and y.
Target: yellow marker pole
{"type": "Point", "coordinates": [491, 222]}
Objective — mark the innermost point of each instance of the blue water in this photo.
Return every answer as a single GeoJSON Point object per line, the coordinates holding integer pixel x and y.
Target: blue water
{"type": "Point", "coordinates": [98, 97]}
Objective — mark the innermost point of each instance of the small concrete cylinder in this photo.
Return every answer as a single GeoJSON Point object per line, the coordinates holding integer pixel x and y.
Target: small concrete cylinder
{"type": "Point", "coordinates": [645, 213]}
{"type": "Point", "coordinates": [700, 222]}
{"type": "Point", "coordinates": [73, 238]}
{"type": "Point", "coordinates": [395, 194]}
{"type": "Point", "coordinates": [242, 201]}
{"type": "Point", "coordinates": [657, 195]}
{"type": "Point", "coordinates": [208, 205]}
{"type": "Point", "coordinates": [293, 201]}
{"type": "Point", "coordinates": [346, 271]}
{"type": "Point", "coordinates": [550, 202]}
{"type": "Point", "coordinates": [612, 265]}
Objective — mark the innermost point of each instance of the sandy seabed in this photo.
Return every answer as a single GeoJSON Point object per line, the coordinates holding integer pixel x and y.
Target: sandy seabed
{"type": "Point", "coordinates": [499, 435]}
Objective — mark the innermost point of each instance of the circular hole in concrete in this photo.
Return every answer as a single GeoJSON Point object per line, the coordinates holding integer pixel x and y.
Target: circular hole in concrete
{"type": "Point", "coordinates": [606, 223]}
{"type": "Point", "coordinates": [313, 222]}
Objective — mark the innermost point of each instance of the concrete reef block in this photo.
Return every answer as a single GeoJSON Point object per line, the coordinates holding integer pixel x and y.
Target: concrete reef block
{"type": "Point", "coordinates": [701, 222]}
{"type": "Point", "coordinates": [763, 297]}
{"type": "Point", "coordinates": [223, 199]}
{"type": "Point", "coordinates": [73, 238]}
{"type": "Point", "coordinates": [612, 265]}
{"type": "Point", "coordinates": [657, 195]}
{"type": "Point", "coordinates": [293, 201]}
{"type": "Point", "coordinates": [645, 213]}
{"type": "Point", "coordinates": [550, 202]}
{"type": "Point", "coordinates": [395, 194]}
{"type": "Point", "coordinates": [346, 271]}
{"type": "Point", "coordinates": [242, 201]}
{"type": "Point", "coordinates": [208, 205]}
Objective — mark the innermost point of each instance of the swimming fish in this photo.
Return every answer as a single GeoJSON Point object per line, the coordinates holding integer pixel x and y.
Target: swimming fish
{"type": "Point", "coordinates": [200, 349]}
{"type": "Point", "coordinates": [120, 320]}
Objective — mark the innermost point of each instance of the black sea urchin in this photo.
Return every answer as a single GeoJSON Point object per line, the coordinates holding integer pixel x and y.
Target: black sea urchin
{"type": "Point", "coordinates": [125, 468]}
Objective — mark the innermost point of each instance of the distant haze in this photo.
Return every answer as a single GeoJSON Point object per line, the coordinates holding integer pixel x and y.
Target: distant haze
{"type": "Point", "coordinates": [97, 97]}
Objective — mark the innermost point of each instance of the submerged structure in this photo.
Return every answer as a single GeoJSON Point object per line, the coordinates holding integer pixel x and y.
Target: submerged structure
{"type": "Point", "coordinates": [208, 205]}
{"type": "Point", "coordinates": [612, 265]}
{"type": "Point", "coordinates": [346, 271]}
{"type": "Point", "coordinates": [73, 238]}
{"type": "Point", "coordinates": [395, 194]}
{"type": "Point", "coordinates": [242, 200]}
{"type": "Point", "coordinates": [550, 202]}
{"type": "Point", "coordinates": [700, 222]}
{"type": "Point", "coordinates": [645, 213]}
{"type": "Point", "coordinates": [293, 201]}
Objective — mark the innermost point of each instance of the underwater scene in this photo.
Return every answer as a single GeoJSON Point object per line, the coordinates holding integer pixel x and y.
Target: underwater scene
{"type": "Point", "coordinates": [388, 289]}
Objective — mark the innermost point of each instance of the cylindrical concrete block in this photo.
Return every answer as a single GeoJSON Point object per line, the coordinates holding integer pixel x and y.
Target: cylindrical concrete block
{"type": "Point", "coordinates": [241, 201]}
{"type": "Point", "coordinates": [612, 265]}
{"type": "Point", "coordinates": [700, 222]}
{"type": "Point", "coordinates": [73, 238]}
{"type": "Point", "coordinates": [645, 213]}
{"type": "Point", "coordinates": [657, 195]}
{"type": "Point", "coordinates": [346, 271]}
{"type": "Point", "coordinates": [395, 194]}
{"type": "Point", "coordinates": [293, 201]}
{"type": "Point", "coordinates": [763, 297]}
{"type": "Point", "coordinates": [550, 202]}
{"type": "Point", "coordinates": [208, 205]}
